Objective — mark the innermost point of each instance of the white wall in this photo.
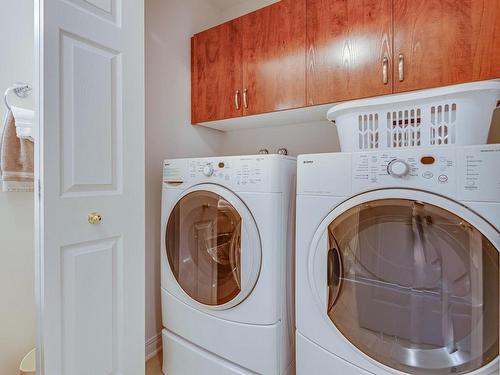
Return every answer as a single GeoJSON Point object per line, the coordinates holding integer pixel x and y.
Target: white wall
{"type": "Point", "coordinates": [297, 139]}
{"type": "Point", "coordinates": [243, 7]}
{"type": "Point", "coordinates": [169, 27]}
{"type": "Point", "coordinates": [17, 307]}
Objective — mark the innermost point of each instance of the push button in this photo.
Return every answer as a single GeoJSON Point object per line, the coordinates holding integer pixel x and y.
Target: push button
{"type": "Point", "coordinates": [443, 178]}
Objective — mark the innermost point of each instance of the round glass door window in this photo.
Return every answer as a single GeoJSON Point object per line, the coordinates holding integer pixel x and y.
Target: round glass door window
{"type": "Point", "coordinates": [203, 244]}
{"type": "Point", "coordinates": [414, 287]}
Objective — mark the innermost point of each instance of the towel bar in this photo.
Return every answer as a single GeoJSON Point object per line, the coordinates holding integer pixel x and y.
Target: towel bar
{"type": "Point", "coordinates": [21, 89]}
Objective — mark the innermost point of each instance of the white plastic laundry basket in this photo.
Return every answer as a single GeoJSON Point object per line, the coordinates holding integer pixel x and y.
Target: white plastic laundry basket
{"type": "Point", "coordinates": [453, 115]}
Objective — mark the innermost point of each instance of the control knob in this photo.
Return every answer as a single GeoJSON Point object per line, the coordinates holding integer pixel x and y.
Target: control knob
{"type": "Point", "coordinates": [398, 168]}
{"type": "Point", "coordinates": [208, 170]}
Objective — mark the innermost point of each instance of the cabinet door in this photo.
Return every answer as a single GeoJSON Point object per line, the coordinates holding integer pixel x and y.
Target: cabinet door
{"type": "Point", "coordinates": [445, 42]}
{"type": "Point", "coordinates": [348, 43]}
{"type": "Point", "coordinates": [274, 70]}
{"type": "Point", "coordinates": [216, 73]}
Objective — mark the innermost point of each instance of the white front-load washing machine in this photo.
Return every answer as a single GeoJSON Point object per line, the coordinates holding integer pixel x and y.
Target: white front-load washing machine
{"type": "Point", "coordinates": [227, 254]}
{"type": "Point", "coordinates": [397, 259]}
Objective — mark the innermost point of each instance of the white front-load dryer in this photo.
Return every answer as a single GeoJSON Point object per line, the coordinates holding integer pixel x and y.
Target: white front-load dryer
{"type": "Point", "coordinates": [227, 253]}
{"type": "Point", "coordinates": [397, 258]}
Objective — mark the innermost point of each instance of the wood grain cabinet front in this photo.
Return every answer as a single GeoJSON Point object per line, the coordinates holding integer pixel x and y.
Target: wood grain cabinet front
{"type": "Point", "coordinates": [274, 64]}
{"type": "Point", "coordinates": [251, 65]}
{"type": "Point", "coordinates": [438, 43]}
{"type": "Point", "coordinates": [298, 53]}
{"type": "Point", "coordinates": [216, 73]}
{"type": "Point", "coordinates": [349, 49]}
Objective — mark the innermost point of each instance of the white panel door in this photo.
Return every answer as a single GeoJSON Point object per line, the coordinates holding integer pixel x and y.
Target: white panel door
{"type": "Point", "coordinates": [91, 159]}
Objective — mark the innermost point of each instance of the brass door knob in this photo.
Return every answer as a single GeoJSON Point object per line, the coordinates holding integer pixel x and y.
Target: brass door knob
{"type": "Point", "coordinates": [94, 218]}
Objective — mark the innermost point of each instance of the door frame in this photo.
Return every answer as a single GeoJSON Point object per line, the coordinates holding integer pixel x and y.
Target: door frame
{"type": "Point", "coordinates": [38, 167]}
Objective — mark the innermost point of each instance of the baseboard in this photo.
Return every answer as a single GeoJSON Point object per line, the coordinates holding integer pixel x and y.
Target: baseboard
{"type": "Point", "coordinates": [153, 346]}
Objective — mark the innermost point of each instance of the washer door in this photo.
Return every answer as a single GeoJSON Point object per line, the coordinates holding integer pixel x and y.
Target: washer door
{"type": "Point", "coordinates": [213, 246]}
{"type": "Point", "coordinates": [409, 283]}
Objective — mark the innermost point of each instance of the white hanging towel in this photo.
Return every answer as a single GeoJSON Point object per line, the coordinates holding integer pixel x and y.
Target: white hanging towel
{"type": "Point", "coordinates": [16, 159]}
{"type": "Point", "coordinates": [24, 120]}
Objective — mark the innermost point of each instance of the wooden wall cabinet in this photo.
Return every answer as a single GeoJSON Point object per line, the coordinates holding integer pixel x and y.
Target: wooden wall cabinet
{"type": "Point", "coordinates": [251, 65]}
{"type": "Point", "coordinates": [274, 65]}
{"type": "Point", "coordinates": [298, 53]}
{"type": "Point", "coordinates": [349, 49]}
{"type": "Point", "coordinates": [216, 73]}
{"type": "Point", "coordinates": [438, 43]}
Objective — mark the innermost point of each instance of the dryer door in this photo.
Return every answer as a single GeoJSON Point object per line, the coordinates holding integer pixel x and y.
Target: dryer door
{"type": "Point", "coordinates": [213, 246]}
{"type": "Point", "coordinates": [412, 281]}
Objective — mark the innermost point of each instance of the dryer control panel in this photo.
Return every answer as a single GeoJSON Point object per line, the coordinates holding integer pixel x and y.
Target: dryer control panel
{"type": "Point", "coordinates": [427, 169]}
{"type": "Point", "coordinates": [468, 173]}
{"type": "Point", "coordinates": [471, 173]}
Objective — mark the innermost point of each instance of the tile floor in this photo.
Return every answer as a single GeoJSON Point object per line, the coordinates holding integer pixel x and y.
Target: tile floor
{"type": "Point", "coordinates": [153, 366]}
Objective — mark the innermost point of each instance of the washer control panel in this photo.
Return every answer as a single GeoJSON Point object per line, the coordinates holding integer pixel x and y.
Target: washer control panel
{"type": "Point", "coordinates": [252, 173]}
{"type": "Point", "coordinates": [210, 170]}
{"type": "Point", "coordinates": [469, 173]}
{"type": "Point", "coordinates": [227, 171]}
{"type": "Point", "coordinates": [243, 172]}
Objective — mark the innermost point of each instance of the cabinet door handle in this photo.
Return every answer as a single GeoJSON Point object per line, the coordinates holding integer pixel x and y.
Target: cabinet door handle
{"type": "Point", "coordinates": [237, 100]}
{"type": "Point", "coordinates": [385, 65]}
{"type": "Point", "coordinates": [245, 98]}
{"type": "Point", "coordinates": [401, 67]}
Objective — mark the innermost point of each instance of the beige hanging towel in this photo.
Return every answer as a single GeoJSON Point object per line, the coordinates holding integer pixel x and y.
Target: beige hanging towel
{"type": "Point", "coordinates": [16, 159]}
